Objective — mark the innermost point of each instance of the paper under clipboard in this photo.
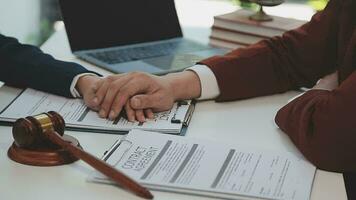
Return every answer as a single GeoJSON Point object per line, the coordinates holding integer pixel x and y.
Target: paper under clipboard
{"type": "Point", "coordinates": [79, 117]}
{"type": "Point", "coordinates": [203, 167]}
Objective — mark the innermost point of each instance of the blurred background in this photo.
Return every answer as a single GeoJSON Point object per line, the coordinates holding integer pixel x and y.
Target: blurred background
{"type": "Point", "coordinates": [33, 21]}
{"type": "Point", "coordinates": [30, 21]}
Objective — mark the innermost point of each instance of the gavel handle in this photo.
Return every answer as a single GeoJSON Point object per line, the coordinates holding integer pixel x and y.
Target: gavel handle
{"type": "Point", "coordinates": [120, 178]}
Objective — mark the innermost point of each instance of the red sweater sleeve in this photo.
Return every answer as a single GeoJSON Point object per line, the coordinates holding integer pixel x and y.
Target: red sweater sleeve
{"type": "Point", "coordinates": [297, 59]}
{"type": "Point", "coordinates": [322, 125]}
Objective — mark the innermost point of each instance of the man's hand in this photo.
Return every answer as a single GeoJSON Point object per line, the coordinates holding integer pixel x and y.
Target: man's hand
{"type": "Point", "coordinates": [151, 92]}
{"type": "Point", "coordinates": [87, 86]}
{"type": "Point", "coordinates": [328, 82]}
{"type": "Point", "coordinates": [141, 93]}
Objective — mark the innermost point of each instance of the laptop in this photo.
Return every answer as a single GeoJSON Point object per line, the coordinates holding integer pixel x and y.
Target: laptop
{"type": "Point", "coordinates": [124, 36]}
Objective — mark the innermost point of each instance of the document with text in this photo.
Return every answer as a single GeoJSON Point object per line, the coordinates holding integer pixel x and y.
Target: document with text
{"type": "Point", "coordinates": [202, 167]}
{"type": "Point", "coordinates": [77, 115]}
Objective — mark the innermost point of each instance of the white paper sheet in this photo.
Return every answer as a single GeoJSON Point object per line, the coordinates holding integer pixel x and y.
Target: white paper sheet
{"type": "Point", "coordinates": [174, 163]}
{"type": "Point", "coordinates": [76, 114]}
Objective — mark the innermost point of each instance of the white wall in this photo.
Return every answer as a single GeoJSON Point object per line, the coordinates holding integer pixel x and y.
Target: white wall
{"type": "Point", "coordinates": [20, 18]}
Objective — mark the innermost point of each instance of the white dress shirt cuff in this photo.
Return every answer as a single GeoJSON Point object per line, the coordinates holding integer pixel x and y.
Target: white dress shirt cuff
{"type": "Point", "coordinates": [72, 88]}
{"type": "Point", "coordinates": [208, 82]}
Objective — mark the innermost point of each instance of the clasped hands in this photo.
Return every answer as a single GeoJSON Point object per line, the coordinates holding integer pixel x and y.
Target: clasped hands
{"type": "Point", "coordinates": [139, 94]}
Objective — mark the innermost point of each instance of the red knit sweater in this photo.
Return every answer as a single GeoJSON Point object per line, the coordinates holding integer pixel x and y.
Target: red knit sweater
{"type": "Point", "coordinates": [322, 124]}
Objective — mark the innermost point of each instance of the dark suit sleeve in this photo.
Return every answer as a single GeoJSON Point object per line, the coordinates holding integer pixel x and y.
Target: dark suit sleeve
{"type": "Point", "coordinates": [27, 66]}
{"type": "Point", "coordinates": [322, 125]}
{"type": "Point", "coordinates": [297, 59]}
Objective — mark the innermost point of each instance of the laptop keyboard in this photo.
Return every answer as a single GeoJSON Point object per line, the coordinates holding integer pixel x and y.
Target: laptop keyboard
{"type": "Point", "coordinates": [114, 56]}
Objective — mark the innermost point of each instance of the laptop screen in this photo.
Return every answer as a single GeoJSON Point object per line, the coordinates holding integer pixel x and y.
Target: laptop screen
{"type": "Point", "coordinates": [100, 24]}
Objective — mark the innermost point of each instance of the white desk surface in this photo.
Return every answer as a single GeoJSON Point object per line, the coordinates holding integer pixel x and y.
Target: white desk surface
{"type": "Point", "coordinates": [231, 122]}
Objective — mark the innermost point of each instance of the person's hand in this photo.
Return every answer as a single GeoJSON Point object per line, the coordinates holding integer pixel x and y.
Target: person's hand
{"type": "Point", "coordinates": [140, 93]}
{"type": "Point", "coordinates": [87, 86]}
{"type": "Point", "coordinates": [139, 114]}
{"type": "Point", "coordinates": [151, 92]}
{"type": "Point", "coordinates": [328, 82]}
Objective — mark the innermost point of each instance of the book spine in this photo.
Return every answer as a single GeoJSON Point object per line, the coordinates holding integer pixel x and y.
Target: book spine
{"type": "Point", "coordinates": [235, 37]}
{"type": "Point", "coordinates": [225, 44]}
{"type": "Point", "coordinates": [229, 41]}
{"type": "Point", "coordinates": [247, 29]}
{"type": "Point", "coordinates": [216, 27]}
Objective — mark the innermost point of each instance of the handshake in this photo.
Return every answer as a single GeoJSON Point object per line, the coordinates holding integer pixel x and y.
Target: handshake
{"type": "Point", "coordinates": [139, 94]}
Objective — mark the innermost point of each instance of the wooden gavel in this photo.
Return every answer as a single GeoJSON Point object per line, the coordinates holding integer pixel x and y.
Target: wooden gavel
{"type": "Point", "coordinates": [35, 130]}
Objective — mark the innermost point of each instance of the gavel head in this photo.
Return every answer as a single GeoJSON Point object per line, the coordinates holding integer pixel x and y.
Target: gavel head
{"type": "Point", "coordinates": [31, 131]}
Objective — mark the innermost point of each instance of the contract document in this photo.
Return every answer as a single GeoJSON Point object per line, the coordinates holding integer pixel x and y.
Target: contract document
{"type": "Point", "coordinates": [202, 167]}
{"type": "Point", "coordinates": [77, 115]}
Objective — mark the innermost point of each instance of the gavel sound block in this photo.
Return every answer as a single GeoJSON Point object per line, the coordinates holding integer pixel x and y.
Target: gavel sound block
{"type": "Point", "coordinates": [32, 148]}
{"type": "Point", "coordinates": [40, 140]}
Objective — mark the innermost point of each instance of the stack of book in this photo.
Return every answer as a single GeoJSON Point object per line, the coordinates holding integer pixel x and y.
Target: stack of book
{"type": "Point", "coordinates": [235, 30]}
